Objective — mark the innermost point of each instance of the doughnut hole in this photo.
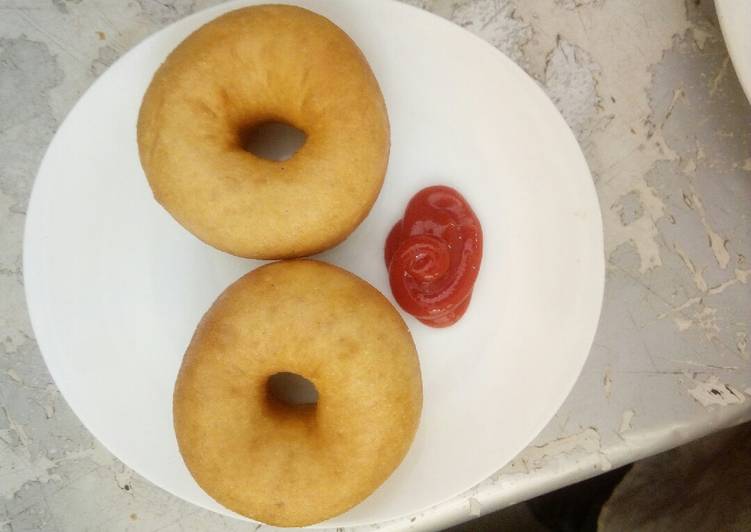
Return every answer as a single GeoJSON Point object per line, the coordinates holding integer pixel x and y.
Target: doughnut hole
{"type": "Point", "coordinates": [291, 391]}
{"type": "Point", "coordinates": [272, 140]}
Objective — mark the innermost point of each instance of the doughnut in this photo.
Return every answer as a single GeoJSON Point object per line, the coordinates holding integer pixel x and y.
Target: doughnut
{"type": "Point", "coordinates": [247, 68]}
{"type": "Point", "coordinates": [297, 464]}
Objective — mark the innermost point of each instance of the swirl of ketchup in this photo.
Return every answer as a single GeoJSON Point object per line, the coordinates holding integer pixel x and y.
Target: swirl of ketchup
{"type": "Point", "coordinates": [433, 256]}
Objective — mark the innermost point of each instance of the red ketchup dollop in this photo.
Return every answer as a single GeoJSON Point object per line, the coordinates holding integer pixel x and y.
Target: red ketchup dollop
{"type": "Point", "coordinates": [433, 255]}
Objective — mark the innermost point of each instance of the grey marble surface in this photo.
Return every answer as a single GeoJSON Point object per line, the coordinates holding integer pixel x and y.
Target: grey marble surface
{"type": "Point", "coordinates": [650, 92]}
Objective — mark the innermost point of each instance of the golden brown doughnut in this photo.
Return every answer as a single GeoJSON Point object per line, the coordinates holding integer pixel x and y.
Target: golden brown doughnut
{"type": "Point", "coordinates": [270, 63]}
{"type": "Point", "coordinates": [294, 465]}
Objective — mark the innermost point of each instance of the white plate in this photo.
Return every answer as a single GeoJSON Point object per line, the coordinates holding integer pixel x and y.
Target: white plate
{"type": "Point", "coordinates": [115, 287]}
{"type": "Point", "coordinates": [735, 21]}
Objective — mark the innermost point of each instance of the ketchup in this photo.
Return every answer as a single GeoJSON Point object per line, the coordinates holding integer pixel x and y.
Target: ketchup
{"type": "Point", "coordinates": [433, 255]}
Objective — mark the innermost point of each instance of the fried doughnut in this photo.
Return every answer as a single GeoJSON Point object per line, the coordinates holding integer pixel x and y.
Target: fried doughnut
{"type": "Point", "coordinates": [249, 67]}
{"type": "Point", "coordinates": [285, 464]}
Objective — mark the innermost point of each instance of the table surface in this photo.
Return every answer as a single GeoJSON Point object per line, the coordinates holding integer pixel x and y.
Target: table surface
{"type": "Point", "coordinates": [650, 92]}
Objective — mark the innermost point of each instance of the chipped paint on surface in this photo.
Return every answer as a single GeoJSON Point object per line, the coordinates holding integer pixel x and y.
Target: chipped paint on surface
{"type": "Point", "coordinates": [626, 418]}
{"type": "Point", "coordinates": [700, 37]}
{"type": "Point", "coordinates": [51, 394]}
{"type": "Point", "coordinates": [475, 508]}
{"type": "Point", "coordinates": [741, 344]}
{"type": "Point", "coordinates": [697, 275]}
{"type": "Point", "coordinates": [570, 81]}
{"type": "Point", "coordinates": [743, 275]}
{"type": "Point", "coordinates": [123, 478]}
{"type": "Point", "coordinates": [707, 366]}
{"type": "Point", "coordinates": [689, 167]}
{"type": "Point", "coordinates": [680, 308]}
{"type": "Point", "coordinates": [573, 4]}
{"type": "Point", "coordinates": [720, 288]}
{"type": "Point", "coordinates": [588, 441]}
{"type": "Point", "coordinates": [49, 410]}
{"type": "Point", "coordinates": [625, 143]}
{"type": "Point", "coordinates": [629, 208]}
{"type": "Point", "coordinates": [13, 375]}
{"type": "Point", "coordinates": [26, 123]}
{"type": "Point", "coordinates": [715, 83]}
{"type": "Point", "coordinates": [707, 321]}
{"type": "Point", "coordinates": [495, 21]}
{"type": "Point", "coordinates": [713, 392]}
{"type": "Point", "coordinates": [705, 318]}
{"type": "Point", "coordinates": [716, 241]}
{"type": "Point", "coordinates": [607, 383]}
{"type": "Point", "coordinates": [18, 466]}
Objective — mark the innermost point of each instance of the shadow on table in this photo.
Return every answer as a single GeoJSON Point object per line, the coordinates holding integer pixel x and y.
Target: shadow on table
{"type": "Point", "coordinates": [700, 487]}
{"type": "Point", "coordinates": [571, 509]}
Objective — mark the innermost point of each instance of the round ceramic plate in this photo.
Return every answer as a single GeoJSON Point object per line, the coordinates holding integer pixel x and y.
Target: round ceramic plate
{"type": "Point", "coordinates": [115, 287]}
{"type": "Point", "coordinates": [735, 21]}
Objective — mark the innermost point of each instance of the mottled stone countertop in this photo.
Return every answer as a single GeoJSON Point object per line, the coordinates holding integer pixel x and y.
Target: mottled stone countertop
{"type": "Point", "coordinates": [651, 94]}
